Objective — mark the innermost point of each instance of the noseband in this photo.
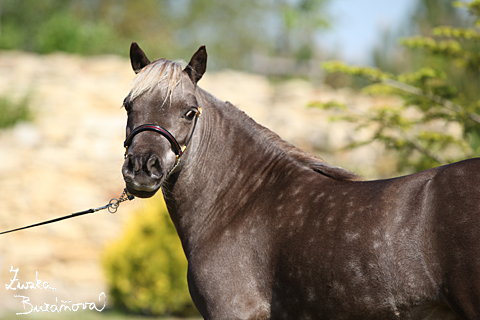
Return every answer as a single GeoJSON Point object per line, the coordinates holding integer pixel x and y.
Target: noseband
{"type": "Point", "coordinates": [177, 149]}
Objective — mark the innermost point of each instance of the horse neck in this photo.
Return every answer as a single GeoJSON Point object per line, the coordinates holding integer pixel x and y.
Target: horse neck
{"type": "Point", "coordinates": [229, 157]}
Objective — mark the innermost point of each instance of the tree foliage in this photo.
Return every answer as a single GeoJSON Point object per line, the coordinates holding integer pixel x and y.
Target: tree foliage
{"type": "Point", "coordinates": [232, 30]}
{"type": "Point", "coordinates": [300, 22]}
{"type": "Point", "coordinates": [426, 14]}
{"type": "Point", "coordinates": [438, 121]}
{"type": "Point", "coordinates": [52, 25]}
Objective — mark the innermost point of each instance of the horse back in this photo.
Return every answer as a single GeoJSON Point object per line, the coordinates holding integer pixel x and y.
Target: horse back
{"type": "Point", "coordinates": [383, 245]}
{"type": "Point", "coordinates": [456, 235]}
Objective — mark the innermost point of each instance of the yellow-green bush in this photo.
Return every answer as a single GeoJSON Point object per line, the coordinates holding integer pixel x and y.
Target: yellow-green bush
{"type": "Point", "coordinates": [146, 268]}
{"type": "Point", "coordinates": [12, 112]}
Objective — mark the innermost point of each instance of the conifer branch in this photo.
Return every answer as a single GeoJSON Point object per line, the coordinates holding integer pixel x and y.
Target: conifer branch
{"type": "Point", "coordinates": [433, 97]}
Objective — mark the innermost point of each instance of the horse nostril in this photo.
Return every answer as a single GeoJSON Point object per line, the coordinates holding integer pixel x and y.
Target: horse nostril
{"type": "Point", "coordinates": [128, 167]}
{"type": "Point", "coordinates": [153, 167]}
{"type": "Point", "coordinates": [133, 164]}
{"type": "Point", "coordinates": [129, 164]}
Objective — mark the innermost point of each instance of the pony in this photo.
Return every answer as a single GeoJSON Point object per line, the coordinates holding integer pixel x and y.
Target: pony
{"type": "Point", "coordinates": [273, 232]}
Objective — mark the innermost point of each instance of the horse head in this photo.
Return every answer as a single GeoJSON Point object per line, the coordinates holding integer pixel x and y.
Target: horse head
{"type": "Point", "coordinates": [162, 110]}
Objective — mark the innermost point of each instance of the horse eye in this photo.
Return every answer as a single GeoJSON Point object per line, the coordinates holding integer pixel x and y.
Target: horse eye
{"type": "Point", "coordinates": [190, 114]}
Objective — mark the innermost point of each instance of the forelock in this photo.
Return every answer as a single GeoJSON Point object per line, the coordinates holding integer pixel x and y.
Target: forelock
{"type": "Point", "coordinates": [162, 74]}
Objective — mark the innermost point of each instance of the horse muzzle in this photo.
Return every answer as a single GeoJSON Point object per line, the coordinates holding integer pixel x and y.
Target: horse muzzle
{"type": "Point", "coordinates": [143, 174]}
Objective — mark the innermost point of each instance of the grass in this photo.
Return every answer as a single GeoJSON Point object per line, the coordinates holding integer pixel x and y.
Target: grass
{"type": "Point", "coordinates": [12, 112]}
{"type": "Point", "coordinates": [84, 315]}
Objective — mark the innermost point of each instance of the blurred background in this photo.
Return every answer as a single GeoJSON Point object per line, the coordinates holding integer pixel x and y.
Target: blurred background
{"type": "Point", "coordinates": [64, 72]}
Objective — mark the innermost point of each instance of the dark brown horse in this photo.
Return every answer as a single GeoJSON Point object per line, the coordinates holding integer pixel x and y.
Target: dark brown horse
{"type": "Point", "coordinates": [271, 232]}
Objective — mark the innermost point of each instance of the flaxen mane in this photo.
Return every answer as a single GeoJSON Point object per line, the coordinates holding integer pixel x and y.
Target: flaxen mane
{"type": "Point", "coordinates": [297, 155]}
{"type": "Point", "coordinates": [310, 161]}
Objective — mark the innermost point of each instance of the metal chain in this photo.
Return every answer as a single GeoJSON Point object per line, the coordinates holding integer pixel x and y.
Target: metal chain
{"type": "Point", "coordinates": [114, 203]}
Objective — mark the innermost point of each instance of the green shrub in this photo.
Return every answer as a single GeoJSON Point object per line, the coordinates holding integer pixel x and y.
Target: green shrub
{"type": "Point", "coordinates": [64, 32]}
{"type": "Point", "coordinates": [12, 112]}
{"type": "Point", "coordinates": [146, 268]}
{"type": "Point", "coordinates": [57, 25]}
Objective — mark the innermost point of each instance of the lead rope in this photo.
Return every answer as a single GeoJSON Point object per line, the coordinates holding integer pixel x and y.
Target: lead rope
{"type": "Point", "coordinates": [112, 207]}
{"type": "Point", "coordinates": [114, 203]}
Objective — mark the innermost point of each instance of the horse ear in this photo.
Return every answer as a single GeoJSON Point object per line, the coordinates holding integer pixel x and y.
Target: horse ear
{"type": "Point", "coordinates": [138, 58]}
{"type": "Point", "coordinates": [197, 65]}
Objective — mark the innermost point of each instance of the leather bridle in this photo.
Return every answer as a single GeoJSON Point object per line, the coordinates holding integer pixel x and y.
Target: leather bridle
{"type": "Point", "coordinates": [177, 149]}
